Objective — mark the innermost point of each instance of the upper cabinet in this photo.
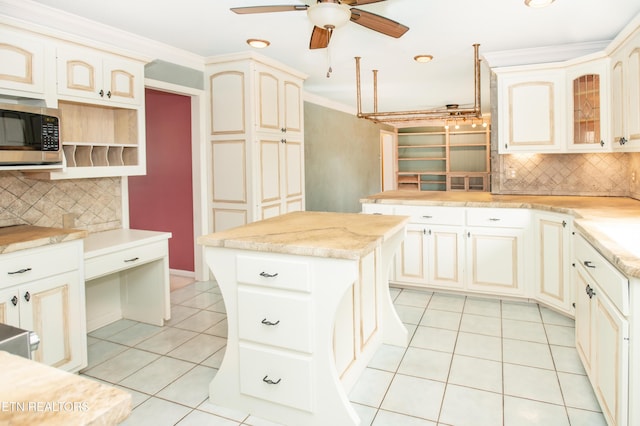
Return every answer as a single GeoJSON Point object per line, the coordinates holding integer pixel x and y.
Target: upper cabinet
{"type": "Point", "coordinates": [588, 127]}
{"type": "Point", "coordinates": [97, 77]}
{"type": "Point", "coordinates": [531, 113]}
{"type": "Point", "coordinates": [555, 108]}
{"type": "Point", "coordinates": [22, 64]}
{"type": "Point", "coordinates": [625, 94]}
{"type": "Point", "coordinates": [279, 102]}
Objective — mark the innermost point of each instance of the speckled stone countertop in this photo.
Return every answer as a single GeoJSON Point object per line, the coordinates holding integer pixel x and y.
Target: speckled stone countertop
{"type": "Point", "coordinates": [338, 235]}
{"type": "Point", "coordinates": [610, 224]}
{"type": "Point", "coordinates": [20, 237]}
{"type": "Point", "coordinates": [36, 394]}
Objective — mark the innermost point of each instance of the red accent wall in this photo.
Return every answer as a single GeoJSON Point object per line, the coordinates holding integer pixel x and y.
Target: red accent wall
{"type": "Point", "coordinates": [163, 199]}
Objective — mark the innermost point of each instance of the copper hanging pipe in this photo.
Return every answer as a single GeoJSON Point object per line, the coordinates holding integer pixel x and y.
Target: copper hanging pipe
{"type": "Point", "coordinates": [419, 114]}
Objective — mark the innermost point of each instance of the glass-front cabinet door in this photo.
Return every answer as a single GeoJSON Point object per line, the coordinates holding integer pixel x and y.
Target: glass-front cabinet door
{"type": "Point", "coordinates": [589, 106]}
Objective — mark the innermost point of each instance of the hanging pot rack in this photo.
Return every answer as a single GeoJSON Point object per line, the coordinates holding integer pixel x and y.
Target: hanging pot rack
{"type": "Point", "coordinates": [449, 112]}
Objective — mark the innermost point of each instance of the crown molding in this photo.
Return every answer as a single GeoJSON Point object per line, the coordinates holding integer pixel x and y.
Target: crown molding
{"type": "Point", "coordinates": [540, 55]}
{"type": "Point", "coordinates": [35, 17]}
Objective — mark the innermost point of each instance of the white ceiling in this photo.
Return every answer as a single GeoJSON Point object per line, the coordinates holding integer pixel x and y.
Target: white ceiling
{"type": "Point", "coordinates": [446, 29]}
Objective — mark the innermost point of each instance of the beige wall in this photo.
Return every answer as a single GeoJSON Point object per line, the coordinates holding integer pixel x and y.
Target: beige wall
{"type": "Point", "coordinates": [95, 203]}
{"type": "Point", "coordinates": [342, 159]}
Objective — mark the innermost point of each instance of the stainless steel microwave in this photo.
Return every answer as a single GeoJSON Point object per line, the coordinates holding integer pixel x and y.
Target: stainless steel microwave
{"type": "Point", "coordinates": [29, 135]}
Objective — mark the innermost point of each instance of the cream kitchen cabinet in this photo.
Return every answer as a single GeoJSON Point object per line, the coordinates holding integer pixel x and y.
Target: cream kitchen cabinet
{"type": "Point", "coordinates": [256, 137]}
{"type": "Point", "coordinates": [93, 76]}
{"type": "Point", "coordinates": [531, 109]}
{"type": "Point", "coordinates": [602, 329]}
{"type": "Point", "coordinates": [42, 290]}
{"type": "Point", "coordinates": [588, 102]}
{"type": "Point", "coordinates": [552, 260]}
{"type": "Point", "coordinates": [496, 250]}
{"type": "Point", "coordinates": [22, 63]}
{"type": "Point", "coordinates": [279, 102]}
{"type": "Point", "coordinates": [625, 93]}
{"type": "Point", "coordinates": [281, 174]}
{"type": "Point", "coordinates": [432, 251]}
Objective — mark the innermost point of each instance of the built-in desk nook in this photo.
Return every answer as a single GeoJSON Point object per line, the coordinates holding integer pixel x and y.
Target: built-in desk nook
{"type": "Point", "coordinates": [308, 304]}
{"type": "Point", "coordinates": [127, 276]}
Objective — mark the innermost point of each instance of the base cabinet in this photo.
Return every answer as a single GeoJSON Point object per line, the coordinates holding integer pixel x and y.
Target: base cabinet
{"type": "Point", "coordinates": [43, 291]}
{"type": "Point", "coordinates": [552, 260]}
{"type": "Point", "coordinates": [602, 330]}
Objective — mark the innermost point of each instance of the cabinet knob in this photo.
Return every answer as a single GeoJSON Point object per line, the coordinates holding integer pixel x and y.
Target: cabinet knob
{"type": "Point", "coordinates": [101, 93]}
{"type": "Point", "coordinates": [14, 300]}
{"type": "Point", "coordinates": [266, 322]}
{"type": "Point", "coordinates": [109, 94]}
{"type": "Point", "coordinates": [27, 296]}
{"type": "Point", "coordinates": [601, 143]}
{"type": "Point", "coordinates": [19, 271]}
{"type": "Point", "coordinates": [269, 381]}
{"type": "Point", "coordinates": [589, 291]}
{"type": "Point", "coordinates": [268, 275]}
{"type": "Point", "coordinates": [283, 140]}
{"type": "Point", "coordinates": [283, 130]}
{"type": "Point", "coordinates": [622, 140]}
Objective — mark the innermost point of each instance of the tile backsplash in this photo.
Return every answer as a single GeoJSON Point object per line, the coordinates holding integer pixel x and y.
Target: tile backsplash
{"type": "Point", "coordinates": [91, 204]}
{"type": "Point", "coordinates": [607, 174]}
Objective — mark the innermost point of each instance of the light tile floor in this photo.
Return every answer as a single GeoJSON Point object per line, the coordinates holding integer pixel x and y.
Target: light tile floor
{"type": "Point", "coordinates": [470, 361]}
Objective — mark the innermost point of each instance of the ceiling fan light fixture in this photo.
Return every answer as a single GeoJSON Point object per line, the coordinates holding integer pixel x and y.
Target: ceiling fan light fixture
{"type": "Point", "coordinates": [423, 58]}
{"type": "Point", "coordinates": [258, 43]}
{"type": "Point", "coordinates": [538, 3]}
{"type": "Point", "coordinates": [329, 15]}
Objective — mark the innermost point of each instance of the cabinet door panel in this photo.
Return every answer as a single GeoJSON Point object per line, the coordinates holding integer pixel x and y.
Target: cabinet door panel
{"type": "Point", "coordinates": [293, 173]}
{"type": "Point", "coordinates": [10, 307]}
{"type": "Point", "coordinates": [229, 162]}
{"type": "Point", "coordinates": [634, 95]}
{"type": "Point", "coordinates": [21, 63]}
{"type": "Point", "coordinates": [79, 73]}
{"type": "Point", "coordinates": [495, 260]}
{"type": "Point", "coordinates": [584, 317]}
{"type": "Point", "coordinates": [411, 266]}
{"type": "Point", "coordinates": [527, 99]}
{"type": "Point", "coordinates": [268, 101]}
{"type": "Point", "coordinates": [611, 360]}
{"type": "Point", "coordinates": [54, 313]}
{"type": "Point", "coordinates": [552, 258]}
{"type": "Point", "coordinates": [618, 103]}
{"type": "Point", "coordinates": [227, 102]}
{"type": "Point", "coordinates": [269, 170]}
{"type": "Point", "coordinates": [292, 107]}
{"type": "Point", "coordinates": [445, 257]}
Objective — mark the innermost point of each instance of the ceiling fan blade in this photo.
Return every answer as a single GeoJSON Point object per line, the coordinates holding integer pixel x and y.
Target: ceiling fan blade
{"type": "Point", "coordinates": [268, 9]}
{"type": "Point", "coordinates": [378, 23]}
{"type": "Point", "coordinates": [360, 2]}
{"type": "Point", "coordinates": [320, 38]}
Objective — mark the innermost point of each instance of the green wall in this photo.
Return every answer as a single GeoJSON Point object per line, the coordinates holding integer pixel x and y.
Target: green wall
{"type": "Point", "coordinates": [342, 159]}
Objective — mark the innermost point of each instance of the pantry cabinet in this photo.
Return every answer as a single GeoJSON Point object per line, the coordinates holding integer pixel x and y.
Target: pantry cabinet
{"type": "Point", "coordinates": [256, 139]}
{"type": "Point", "coordinates": [602, 329]}
{"type": "Point", "coordinates": [43, 290]}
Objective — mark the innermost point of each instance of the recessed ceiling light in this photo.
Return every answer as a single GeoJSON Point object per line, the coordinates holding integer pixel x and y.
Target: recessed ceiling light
{"type": "Point", "coordinates": [538, 3]}
{"type": "Point", "coordinates": [257, 43]}
{"type": "Point", "coordinates": [422, 58]}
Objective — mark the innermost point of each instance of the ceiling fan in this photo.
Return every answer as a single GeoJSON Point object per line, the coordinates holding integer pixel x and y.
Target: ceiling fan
{"type": "Point", "coordinates": [327, 15]}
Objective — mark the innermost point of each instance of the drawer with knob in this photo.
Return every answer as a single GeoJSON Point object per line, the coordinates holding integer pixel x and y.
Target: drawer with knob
{"type": "Point", "coordinates": [498, 217]}
{"type": "Point", "coordinates": [276, 319]}
{"type": "Point", "coordinates": [124, 259]}
{"type": "Point", "coordinates": [608, 278]}
{"type": "Point", "coordinates": [435, 215]}
{"type": "Point", "coordinates": [274, 271]}
{"type": "Point", "coordinates": [41, 262]}
{"type": "Point", "coordinates": [271, 375]}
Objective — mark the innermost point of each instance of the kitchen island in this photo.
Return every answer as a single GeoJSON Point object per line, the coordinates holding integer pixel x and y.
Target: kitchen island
{"type": "Point", "coordinates": [308, 304]}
